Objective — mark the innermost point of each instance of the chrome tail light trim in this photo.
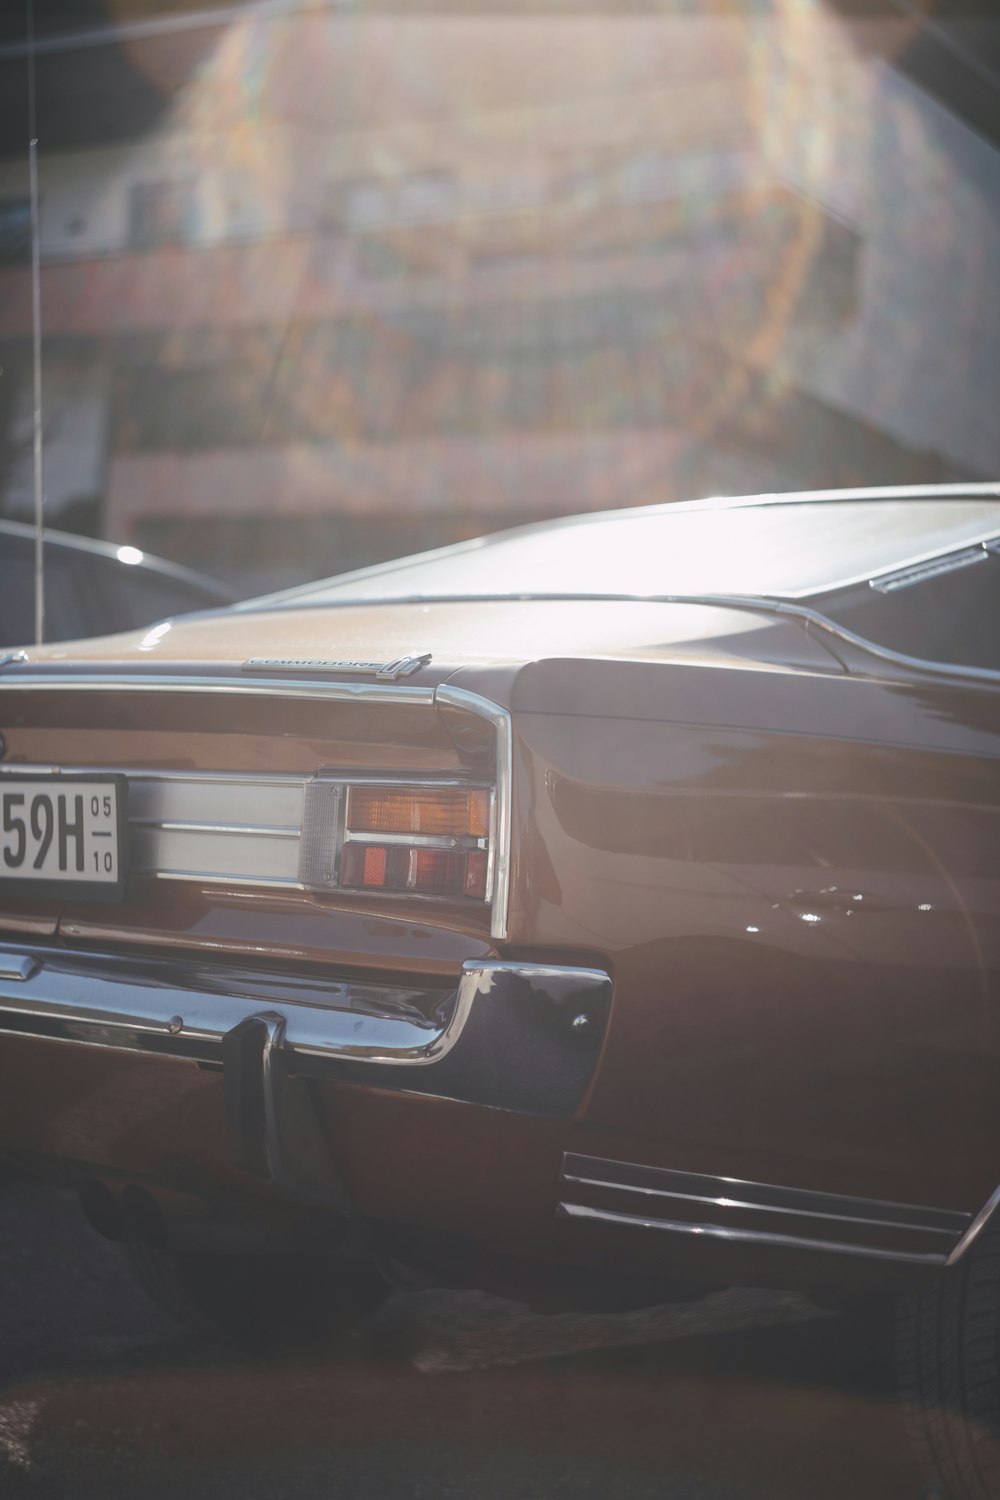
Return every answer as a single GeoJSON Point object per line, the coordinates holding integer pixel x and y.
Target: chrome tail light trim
{"type": "Point", "coordinates": [326, 836]}
{"type": "Point", "coordinates": [500, 865]}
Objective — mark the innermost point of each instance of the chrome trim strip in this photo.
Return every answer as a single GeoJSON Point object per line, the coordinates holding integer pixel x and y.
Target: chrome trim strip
{"type": "Point", "coordinates": [976, 1228]}
{"type": "Point", "coordinates": [222, 827]}
{"type": "Point", "coordinates": [271, 687]}
{"type": "Point", "coordinates": [479, 972]}
{"type": "Point", "coordinates": [149, 773]}
{"type": "Point", "coordinates": [18, 966]}
{"type": "Point", "coordinates": [415, 840]}
{"type": "Point", "coordinates": [180, 820]}
{"type": "Point", "coordinates": [461, 698]}
{"type": "Point", "coordinates": [281, 883]}
{"type": "Point", "coordinates": [210, 778]}
{"type": "Point", "coordinates": [747, 1206]}
{"type": "Point", "coordinates": [251, 830]}
{"type": "Point", "coordinates": [196, 877]}
{"type": "Point", "coordinates": [539, 974]}
{"type": "Point", "coordinates": [395, 780]}
{"type": "Point", "coordinates": [951, 562]}
{"type": "Point", "coordinates": [747, 1236]}
{"type": "Point", "coordinates": [758, 1197]}
{"type": "Point", "coordinates": [491, 849]}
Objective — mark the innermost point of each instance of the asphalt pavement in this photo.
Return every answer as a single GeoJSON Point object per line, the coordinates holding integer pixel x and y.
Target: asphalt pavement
{"type": "Point", "coordinates": [455, 1396]}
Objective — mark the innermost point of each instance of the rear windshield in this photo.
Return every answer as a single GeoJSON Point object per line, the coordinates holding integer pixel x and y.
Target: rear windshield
{"type": "Point", "coordinates": [790, 550]}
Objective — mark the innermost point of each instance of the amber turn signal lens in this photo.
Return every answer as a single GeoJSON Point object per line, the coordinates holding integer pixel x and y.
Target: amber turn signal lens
{"type": "Point", "coordinates": [448, 811]}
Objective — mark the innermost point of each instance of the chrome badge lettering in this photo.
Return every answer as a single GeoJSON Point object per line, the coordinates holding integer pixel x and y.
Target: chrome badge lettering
{"type": "Point", "coordinates": [384, 671]}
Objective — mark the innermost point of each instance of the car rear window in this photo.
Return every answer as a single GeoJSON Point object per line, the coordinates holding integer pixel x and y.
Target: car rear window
{"type": "Point", "coordinates": [790, 550]}
{"type": "Point", "coordinates": [946, 611]}
{"type": "Point", "coordinates": [135, 596]}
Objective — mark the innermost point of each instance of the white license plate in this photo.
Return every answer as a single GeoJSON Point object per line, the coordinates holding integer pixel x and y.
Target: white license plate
{"type": "Point", "coordinates": [63, 836]}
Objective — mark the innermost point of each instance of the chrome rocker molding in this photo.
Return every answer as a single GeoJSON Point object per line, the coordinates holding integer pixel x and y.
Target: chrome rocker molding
{"type": "Point", "coordinates": [516, 1036]}
{"type": "Point", "coordinates": [748, 1236]}
{"type": "Point", "coordinates": [830, 1223]}
{"type": "Point", "coordinates": [976, 1228]}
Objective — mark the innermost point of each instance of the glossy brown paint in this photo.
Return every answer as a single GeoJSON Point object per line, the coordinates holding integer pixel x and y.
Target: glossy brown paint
{"type": "Point", "coordinates": [377, 935]}
{"type": "Point", "coordinates": [458, 634]}
{"type": "Point", "coordinates": [792, 875]}
{"type": "Point", "coordinates": [803, 925]}
{"type": "Point", "coordinates": [176, 731]}
{"type": "Point", "coordinates": [409, 1163]}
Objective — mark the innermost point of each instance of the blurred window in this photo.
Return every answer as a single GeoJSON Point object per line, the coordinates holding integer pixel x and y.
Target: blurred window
{"type": "Point", "coordinates": [134, 596]}
{"type": "Point", "coordinates": [361, 204]}
{"type": "Point", "coordinates": [15, 231]}
{"type": "Point", "coordinates": [391, 202]}
{"type": "Point", "coordinates": [64, 616]}
{"type": "Point", "coordinates": [17, 596]}
{"type": "Point", "coordinates": [161, 213]}
{"type": "Point", "coordinates": [426, 196]}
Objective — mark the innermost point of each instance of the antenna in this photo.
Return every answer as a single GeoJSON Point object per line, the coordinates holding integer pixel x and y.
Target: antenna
{"type": "Point", "coordinates": [36, 317]}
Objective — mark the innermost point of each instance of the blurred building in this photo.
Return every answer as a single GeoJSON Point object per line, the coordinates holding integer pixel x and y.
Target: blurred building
{"type": "Point", "coordinates": [326, 289]}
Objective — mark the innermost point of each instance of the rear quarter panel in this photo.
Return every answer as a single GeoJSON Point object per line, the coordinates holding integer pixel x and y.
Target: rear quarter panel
{"type": "Point", "coordinates": [795, 878]}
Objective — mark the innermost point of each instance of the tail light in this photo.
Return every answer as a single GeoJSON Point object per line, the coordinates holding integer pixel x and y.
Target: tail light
{"type": "Point", "coordinates": [446, 812]}
{"type": "Point", "coordinates": [426, 840]}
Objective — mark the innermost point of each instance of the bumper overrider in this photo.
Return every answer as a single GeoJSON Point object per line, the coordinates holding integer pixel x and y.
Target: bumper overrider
{"type": "Point", "coordinates": [508, 1035]}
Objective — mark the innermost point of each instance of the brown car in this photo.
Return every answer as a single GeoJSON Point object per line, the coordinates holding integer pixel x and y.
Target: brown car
{"type": "Point", "coordinates": [598, 913]}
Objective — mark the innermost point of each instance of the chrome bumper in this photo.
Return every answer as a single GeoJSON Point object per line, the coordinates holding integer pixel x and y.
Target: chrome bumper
{"type": "Point", "coordinates": [514, 1036]}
